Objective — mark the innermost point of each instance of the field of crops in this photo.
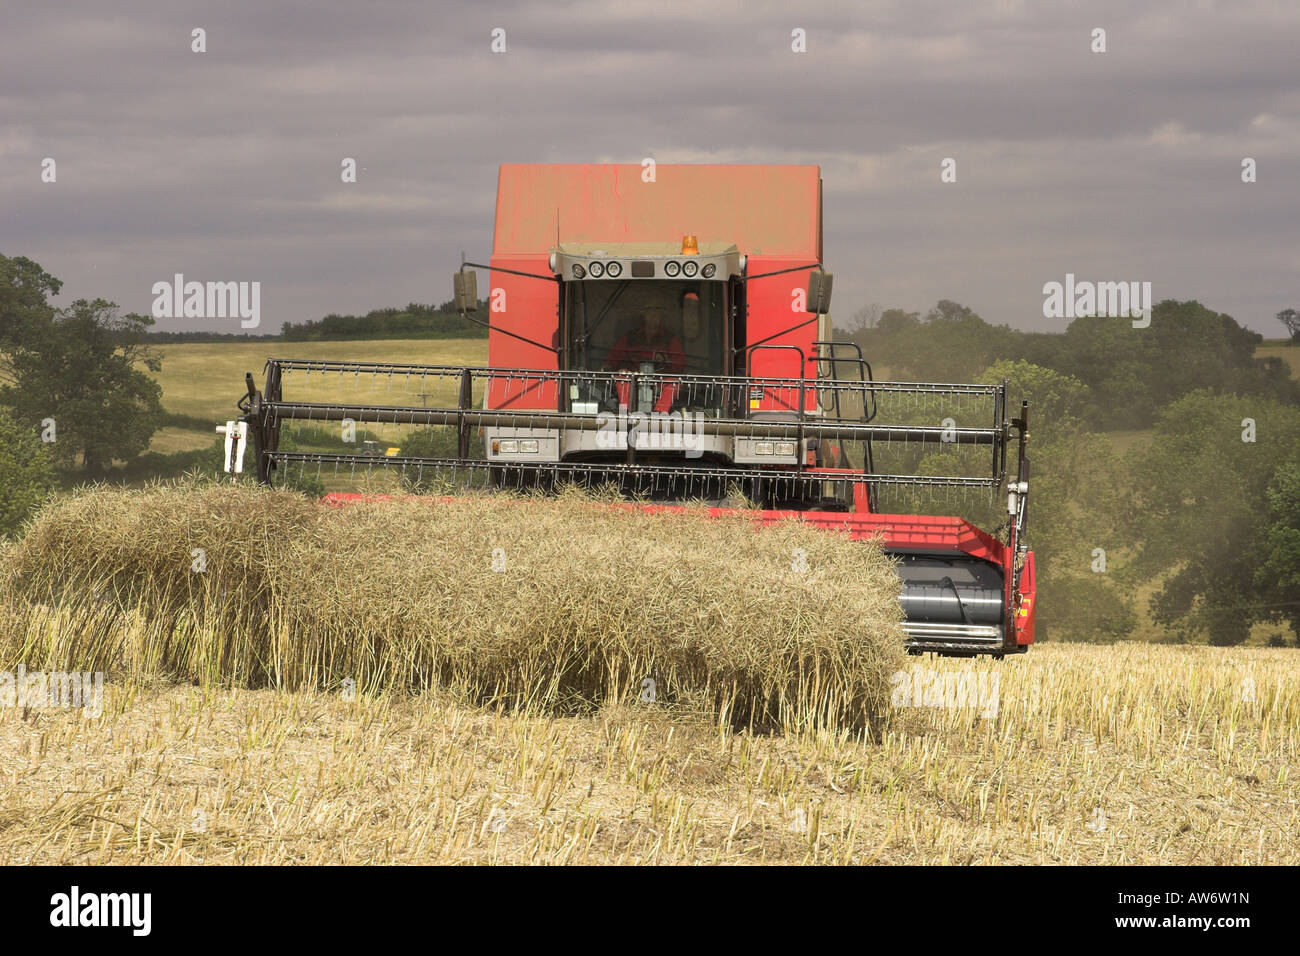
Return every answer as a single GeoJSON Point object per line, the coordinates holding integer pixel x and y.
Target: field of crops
{"type": "Point", "coordinates": [1127, 754]}
{"type": "Point", "coordinates": [204, 380]}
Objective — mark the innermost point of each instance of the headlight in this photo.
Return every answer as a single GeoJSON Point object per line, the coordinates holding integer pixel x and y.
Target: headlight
{"type": "Point", "coordinates": [762, 448]}
{"type": "Point", "coordinates": [507, 447]}
{"type": "Point", "coordinates": [529, 447]}
{"type": "Point", "coordinates": [785, 448]}
{"type": "Point", "coordinates": [613, 270]}
{"type": "Point", "coordinates": [689, 268]}
{"type": "Point", "coordinates": [579, 272]}
{"type": "Point", "coordinates": [672, 268]}
{"type": "Point", "coordinates": [708, 270]}
{"type": "Point", "coordinates": [596, 269]}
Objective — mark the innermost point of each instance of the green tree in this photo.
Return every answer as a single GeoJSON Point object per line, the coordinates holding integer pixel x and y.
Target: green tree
{"type": "Point", "coordinates": [1133, 373]}
{"type": "Point", "coordinates": [25, 289]}
{"type": "Point", "coordinates": [1290, 318]}
{"type": "Point", "coordinates": [950, 344]}
{"type": "Point", "coordinates": [895, 320]}
{"type": "Point", "coordinates": [1130, 373]}
{"type": "Point", "coordinates": [1200, 511]}
{"type": "Point", "coordinates": [26, 475]}
{"type": "Point", "coordinates": [85, 368]}
{"type": "Point", "coordinates": [1278, 576]}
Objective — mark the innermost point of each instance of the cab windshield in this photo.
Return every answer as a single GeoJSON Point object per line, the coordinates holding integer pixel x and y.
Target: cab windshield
{"type": "Point", "coordinates": [665, 326]}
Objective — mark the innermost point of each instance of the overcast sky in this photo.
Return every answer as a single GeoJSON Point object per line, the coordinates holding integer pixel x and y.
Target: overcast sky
{"type": "Point", "coordinates": [225, 165]}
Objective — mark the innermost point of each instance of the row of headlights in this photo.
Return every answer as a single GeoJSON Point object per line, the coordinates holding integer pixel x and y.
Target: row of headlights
{"type": "Point", "coordinates": [672, 269]}
{"type": "Point", "coordinates": [785, 448]}
{"type": "Point", "coordinates": [689, 268]}
{"type": "Point", "coordinates": [598, 270]}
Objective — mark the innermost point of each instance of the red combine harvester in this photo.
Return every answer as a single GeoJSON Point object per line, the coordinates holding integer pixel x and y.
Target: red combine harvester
{"type": "Point", "coordinates": [670, 333]}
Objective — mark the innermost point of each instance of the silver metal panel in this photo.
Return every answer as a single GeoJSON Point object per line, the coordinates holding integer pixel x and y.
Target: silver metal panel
{"type": "Point", "coordinates": [615, 439]}
{"type": "Point", "coordinates": [745, 454]}
{"type": "Point", "coordinates": [973, 635]}
{"type": "Point", "coordinates": [548, 443]}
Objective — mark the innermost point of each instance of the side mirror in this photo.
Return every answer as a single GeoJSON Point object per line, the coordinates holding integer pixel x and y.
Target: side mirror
{"type": "Point", "coordinates": [464, 285]}
{"type": "Point", "coordinates": [819, 292]}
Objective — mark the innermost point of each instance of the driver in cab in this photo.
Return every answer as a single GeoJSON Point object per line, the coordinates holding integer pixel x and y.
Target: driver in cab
{"type": "Point", "coordinates": [649, 341]}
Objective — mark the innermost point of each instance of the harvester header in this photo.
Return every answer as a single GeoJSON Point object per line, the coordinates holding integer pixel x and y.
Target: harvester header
{"type": "Point", "coordinates": [668, 331]}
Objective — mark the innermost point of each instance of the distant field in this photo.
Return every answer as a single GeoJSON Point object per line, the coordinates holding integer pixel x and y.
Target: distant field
{"type": "Point", "coordinates": [205, 380]}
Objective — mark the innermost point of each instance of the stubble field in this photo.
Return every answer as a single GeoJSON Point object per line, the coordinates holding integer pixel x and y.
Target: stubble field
{"type": "Point", "coordinates": [1127, 754]}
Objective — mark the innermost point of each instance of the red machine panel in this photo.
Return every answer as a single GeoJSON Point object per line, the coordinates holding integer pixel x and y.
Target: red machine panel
{"type": "Point", "coordinates": [529, 308]}
{"type": "Point", "coordinates": [772, 214]}
{"type": "Point", "coordinates": [764, 210]}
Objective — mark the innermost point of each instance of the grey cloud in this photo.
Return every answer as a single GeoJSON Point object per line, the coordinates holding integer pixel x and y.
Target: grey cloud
{"type": "Point", "coordinates": [225, 165]}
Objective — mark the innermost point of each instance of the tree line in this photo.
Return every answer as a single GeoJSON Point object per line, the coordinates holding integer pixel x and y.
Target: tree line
{"type": "Point", "coordinates": [414, 321]}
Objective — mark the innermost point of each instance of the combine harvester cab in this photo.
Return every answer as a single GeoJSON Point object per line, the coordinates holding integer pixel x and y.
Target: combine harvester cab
{"type": "Point", "coordinates": [668, 331]}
